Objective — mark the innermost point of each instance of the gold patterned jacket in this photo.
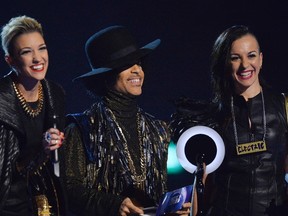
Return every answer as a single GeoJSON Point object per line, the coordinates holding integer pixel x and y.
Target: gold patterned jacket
{"type": "Point", "coordinates": [97, 167]}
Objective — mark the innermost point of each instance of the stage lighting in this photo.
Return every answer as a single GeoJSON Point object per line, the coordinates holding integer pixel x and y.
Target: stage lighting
{"type": "Point", "coordinates": [173, 165]}
{"type": "Point", "coordinates": [205, 134]}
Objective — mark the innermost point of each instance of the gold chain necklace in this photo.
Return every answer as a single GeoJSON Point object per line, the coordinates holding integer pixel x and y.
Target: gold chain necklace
{"type": "Point", "coordinates": [26, 107]}
{"type": "Point", "coordinates": [138, 179]}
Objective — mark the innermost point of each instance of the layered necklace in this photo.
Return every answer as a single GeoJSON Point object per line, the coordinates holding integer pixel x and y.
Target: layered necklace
{"type": "Point", "coordinates": [25, 105]}
{"type": "Point", "coordinates": [250, 147]}
{"type": "Point", "coordinates": [138, 179]}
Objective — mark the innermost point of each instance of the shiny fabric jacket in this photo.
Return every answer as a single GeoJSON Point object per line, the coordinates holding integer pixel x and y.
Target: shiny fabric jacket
{"type": "Point", "coordinates": [95, 163]}
{"type": "Point", "coordinates": [11, 128]}
{"type": "Point", "coordinates": [253, 184]}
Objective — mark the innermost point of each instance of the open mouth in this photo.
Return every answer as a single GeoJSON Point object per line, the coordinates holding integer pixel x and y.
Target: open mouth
{"type": "Point", "coordinates": [245, 74]}
{"type": "Point", "coordinates": [135, 81]}
{"type": "Point", "coordinates": [37, 68]}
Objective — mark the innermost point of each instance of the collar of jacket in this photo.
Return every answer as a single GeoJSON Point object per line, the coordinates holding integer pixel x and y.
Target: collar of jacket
{"type": "Point", "coordinates": [8, 102]}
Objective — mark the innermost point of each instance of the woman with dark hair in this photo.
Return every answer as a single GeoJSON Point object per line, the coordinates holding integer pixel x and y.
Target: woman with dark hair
{"type": "Point", "coordinates": [252, 121]}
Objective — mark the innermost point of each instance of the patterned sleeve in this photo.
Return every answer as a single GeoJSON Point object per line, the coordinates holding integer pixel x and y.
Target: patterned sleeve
{"type": "Point", "coordinates": [82, 197]}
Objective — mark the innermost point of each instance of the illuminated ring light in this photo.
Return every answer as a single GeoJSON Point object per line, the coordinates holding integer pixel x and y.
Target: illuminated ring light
{"type": "Point", "coordinates": [196, 130]}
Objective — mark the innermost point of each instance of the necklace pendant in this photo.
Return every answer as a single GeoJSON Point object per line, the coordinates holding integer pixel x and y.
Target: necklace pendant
{"type": "Point", "coordinates": [251, 147]}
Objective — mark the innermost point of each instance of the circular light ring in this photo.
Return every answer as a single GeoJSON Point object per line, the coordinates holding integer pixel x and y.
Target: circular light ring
{"type": "Point", "coordinates": [196, 130]}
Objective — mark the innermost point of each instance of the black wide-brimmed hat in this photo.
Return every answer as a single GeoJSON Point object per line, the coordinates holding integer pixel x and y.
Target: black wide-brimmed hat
{"type": "Point", "coordinates": [113, 48]}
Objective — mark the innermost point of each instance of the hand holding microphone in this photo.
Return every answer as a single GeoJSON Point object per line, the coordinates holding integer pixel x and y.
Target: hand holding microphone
{"type": "Point", "coordinates": [53, 140]}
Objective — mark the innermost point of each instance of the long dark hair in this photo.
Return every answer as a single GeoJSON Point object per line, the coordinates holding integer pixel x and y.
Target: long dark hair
{"type": "Point", "coordinates": [222, 83]}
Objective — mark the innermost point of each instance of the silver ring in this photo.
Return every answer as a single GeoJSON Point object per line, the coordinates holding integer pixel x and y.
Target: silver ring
{"type": "Point", "coordinates": [56, 141]}
{"type": "Point", "coordinates": [47, 137]}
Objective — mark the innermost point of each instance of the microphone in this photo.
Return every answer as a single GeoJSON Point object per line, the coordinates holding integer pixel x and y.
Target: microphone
{"type": "Point", "coordinates": [199, 184]}
{"type": "Point", "coordinates": [54, 154]}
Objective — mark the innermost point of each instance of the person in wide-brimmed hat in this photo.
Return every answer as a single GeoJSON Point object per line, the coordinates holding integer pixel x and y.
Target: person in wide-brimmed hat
{"type": "Point", "coordinates": [109, 52]}
{"type": "Point", "coordinates": [116, 154]}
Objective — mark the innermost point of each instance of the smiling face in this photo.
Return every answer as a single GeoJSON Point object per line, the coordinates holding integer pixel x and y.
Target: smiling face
{"type": "Point", "coordinates": [245, 64]}
{"type": "Point", "coordinates": [130, 81]}
{"type": "Point", "coordinates": [29, 57]}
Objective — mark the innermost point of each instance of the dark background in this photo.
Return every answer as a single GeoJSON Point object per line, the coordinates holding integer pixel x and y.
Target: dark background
{"type": "Point", "coordinates": [179, 66]}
